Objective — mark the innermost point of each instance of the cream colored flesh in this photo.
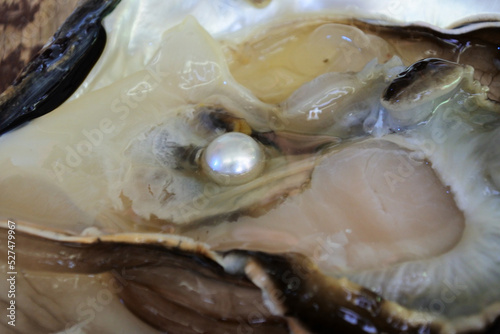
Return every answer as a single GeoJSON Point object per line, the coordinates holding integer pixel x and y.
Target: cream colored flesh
{"type": "Point", "coordinates": [367, 206]}
{"type": "Point", "coordinates": [371, 210]}
{"type": "Point", "coordinates": [273, 67]}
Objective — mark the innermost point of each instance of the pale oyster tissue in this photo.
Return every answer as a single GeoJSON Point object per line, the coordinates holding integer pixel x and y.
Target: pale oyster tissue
{"type": "Point", "coordinates": [151, 84]}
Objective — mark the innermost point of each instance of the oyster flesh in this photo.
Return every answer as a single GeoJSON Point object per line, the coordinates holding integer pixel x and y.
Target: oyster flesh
{"type": "Point", "coordinates": [284, 170]}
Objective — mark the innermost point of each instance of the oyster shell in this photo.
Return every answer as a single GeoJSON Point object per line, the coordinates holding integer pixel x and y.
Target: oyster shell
{"type": "Point", "coordinates": [279, 253]}
{"type": "Point", "coordinates": [26, 27]}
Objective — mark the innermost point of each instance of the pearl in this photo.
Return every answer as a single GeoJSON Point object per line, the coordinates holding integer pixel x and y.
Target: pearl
{"type": "Point", "coordinates": [233, 158]}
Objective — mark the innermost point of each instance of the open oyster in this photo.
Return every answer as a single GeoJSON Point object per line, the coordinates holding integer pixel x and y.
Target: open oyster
{"type": "Point", "coordinates": [275, 172]}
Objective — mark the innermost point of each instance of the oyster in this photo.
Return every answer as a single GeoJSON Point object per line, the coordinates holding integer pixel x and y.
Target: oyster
{"type": "Point", "coordinates": [376, 208]}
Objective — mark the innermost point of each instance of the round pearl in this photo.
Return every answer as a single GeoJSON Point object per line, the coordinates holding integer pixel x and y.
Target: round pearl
{"type": "Point", "coordinates": [233, 158]}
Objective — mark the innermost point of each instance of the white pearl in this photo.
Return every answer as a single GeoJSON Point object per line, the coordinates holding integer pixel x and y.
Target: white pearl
{"type": "Point", "coordinates": [233, 158]}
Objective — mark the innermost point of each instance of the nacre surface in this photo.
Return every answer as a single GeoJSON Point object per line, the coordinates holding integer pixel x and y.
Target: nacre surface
{"type": "Point", "coordinates": [396, 192]}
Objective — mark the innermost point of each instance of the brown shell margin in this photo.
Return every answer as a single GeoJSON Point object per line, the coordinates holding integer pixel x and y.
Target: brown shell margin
{"type": "Point", "coordinates": [25, 26]}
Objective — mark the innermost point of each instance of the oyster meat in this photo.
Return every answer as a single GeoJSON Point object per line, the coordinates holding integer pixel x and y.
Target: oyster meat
{"type": "Point", "coordinates": [286, 170]}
